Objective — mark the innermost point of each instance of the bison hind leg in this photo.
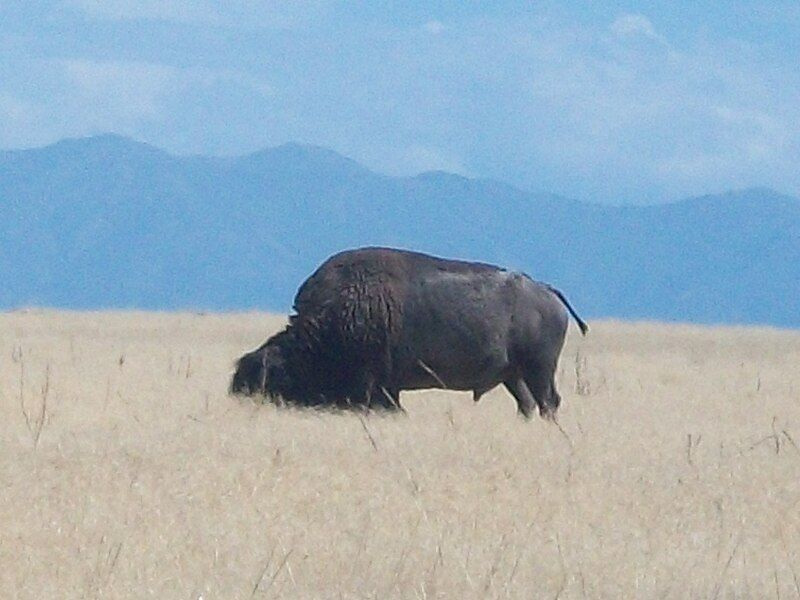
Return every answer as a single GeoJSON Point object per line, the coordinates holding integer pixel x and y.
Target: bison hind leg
{"type": "Point", "coordinates": [525, 400]}
{"type": "Point", "coordinates": [541, 383]}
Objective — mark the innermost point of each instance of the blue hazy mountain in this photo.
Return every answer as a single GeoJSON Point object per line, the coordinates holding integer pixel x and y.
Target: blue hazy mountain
{"type": "Point", "coordinates": [107, 222]}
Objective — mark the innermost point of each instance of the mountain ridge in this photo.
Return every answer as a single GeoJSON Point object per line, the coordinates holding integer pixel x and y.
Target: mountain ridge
{"type": "Point", "coordinates": [108, 222]}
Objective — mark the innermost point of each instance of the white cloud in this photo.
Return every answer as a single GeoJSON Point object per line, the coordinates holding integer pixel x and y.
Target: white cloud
{"type": "Point", "coordinates": [120, 90]}
{"type": "Point", "coordinates": [596, 116]}
{"type": "Point", "coordinates": [282, 14]}
{"type": "Point", "coordinates": [171, 10]}
{"type": "Point", "coordinates": [633, 25]}
{"type": "Point", "coordinates": [14, 109]}
{"type": "Point", "coordinates": [129, 90]}
{"type": "Point", "coordinates": [594, 111]}
{"type": "Point", "coordinates": [434, 27]}
{"type": "Point", "coordinates": [42, 101]}
{"type": "Point", "coordinates": [19, 122]}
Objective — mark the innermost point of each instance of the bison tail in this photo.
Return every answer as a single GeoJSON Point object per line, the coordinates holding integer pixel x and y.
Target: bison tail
{"type": "Point", "coordinates": [581, 323]}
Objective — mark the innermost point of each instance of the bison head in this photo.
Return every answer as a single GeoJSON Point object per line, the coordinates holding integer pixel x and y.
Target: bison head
{"type": "Point", "coordinates": [290, 369]}
{"type": "Point", "coordinates": [260, 372]}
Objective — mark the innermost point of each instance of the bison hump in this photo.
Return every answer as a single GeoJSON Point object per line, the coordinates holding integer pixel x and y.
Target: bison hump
{"type": "Point", "coordinates": [354, 296]}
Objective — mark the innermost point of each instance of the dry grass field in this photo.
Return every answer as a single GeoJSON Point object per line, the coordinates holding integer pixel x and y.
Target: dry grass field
{"type": "Point", "coordinates": [128, 472]}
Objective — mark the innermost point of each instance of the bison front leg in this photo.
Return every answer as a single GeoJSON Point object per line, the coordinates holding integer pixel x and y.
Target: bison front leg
{"type": "Point", "coordinates": [372, 395]}
{"type": "Point", "coordinates": [478, 392]}
{"type": "Point", "coordinates": [382, 398]}
{"type": "Point", "coordinates": [388, 398]}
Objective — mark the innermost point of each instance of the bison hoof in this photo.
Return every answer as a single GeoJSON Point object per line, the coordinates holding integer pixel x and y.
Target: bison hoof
{"type": "Point", "coordinates": [548, 414]}
{"type": "Point", "coordinates": [524, 414]}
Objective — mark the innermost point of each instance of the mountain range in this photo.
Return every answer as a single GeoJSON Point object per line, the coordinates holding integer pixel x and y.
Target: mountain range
{"type": "Point", "coordinates": [108, 222]}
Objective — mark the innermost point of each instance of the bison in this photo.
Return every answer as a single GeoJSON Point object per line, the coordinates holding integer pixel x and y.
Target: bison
{"type": "Point", "coordinates": [371, 322]}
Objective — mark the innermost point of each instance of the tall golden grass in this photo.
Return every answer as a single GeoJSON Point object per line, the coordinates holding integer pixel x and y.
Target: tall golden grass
{"type": "Point", "coordinates": [128, 472]}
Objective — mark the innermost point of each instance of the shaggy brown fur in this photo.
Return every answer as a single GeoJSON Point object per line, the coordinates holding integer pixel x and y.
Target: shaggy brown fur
{"type": "Point", "coordinates": [337, 344]}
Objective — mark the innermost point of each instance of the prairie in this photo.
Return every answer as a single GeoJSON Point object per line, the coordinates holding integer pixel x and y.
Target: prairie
{"type": "Point", "coordinates": [128, 472]}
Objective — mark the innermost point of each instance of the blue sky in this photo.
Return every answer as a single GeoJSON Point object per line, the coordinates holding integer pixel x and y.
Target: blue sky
{"type": "Point", "coordinates": [601, 101]}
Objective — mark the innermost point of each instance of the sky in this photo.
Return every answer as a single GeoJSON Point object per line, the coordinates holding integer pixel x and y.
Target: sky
{"type": "Point", "coordinates": [613, 102]}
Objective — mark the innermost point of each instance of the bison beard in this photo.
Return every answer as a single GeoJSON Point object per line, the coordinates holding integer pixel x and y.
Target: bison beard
{"type": "Point", "coordinates": [374, 321]}
{"type": "Point", "coordinates": [332, 353]}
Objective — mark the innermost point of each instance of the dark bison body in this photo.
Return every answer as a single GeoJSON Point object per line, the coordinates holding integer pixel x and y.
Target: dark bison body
{"type": "Point", "coordinates": [374, 321]}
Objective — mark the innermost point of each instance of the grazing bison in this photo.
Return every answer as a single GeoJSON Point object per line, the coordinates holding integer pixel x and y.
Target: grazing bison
{"type": "Point", "coordinates": [374, 321]}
